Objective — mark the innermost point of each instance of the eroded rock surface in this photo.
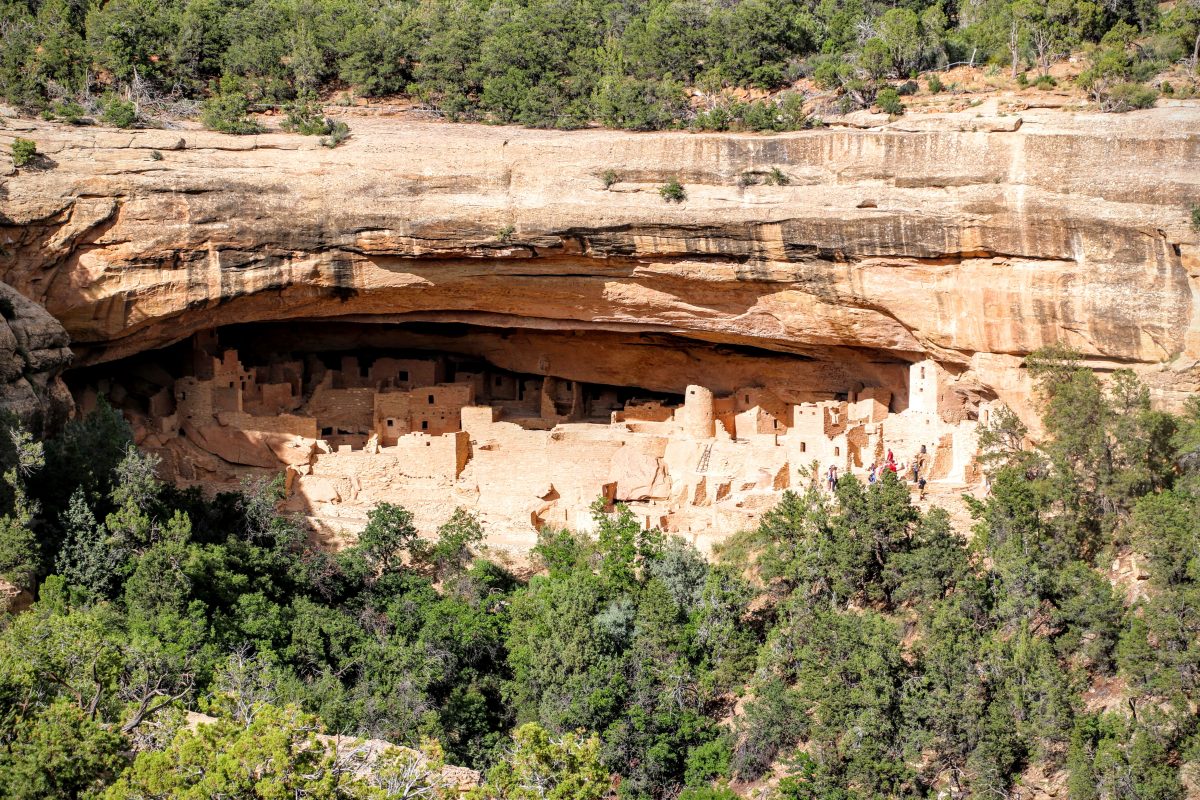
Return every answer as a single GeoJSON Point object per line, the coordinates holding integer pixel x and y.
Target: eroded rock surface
{"type": "Point", "coordinates": [966, 239]}
{"type": "Point", "coordinates": [33, 354]}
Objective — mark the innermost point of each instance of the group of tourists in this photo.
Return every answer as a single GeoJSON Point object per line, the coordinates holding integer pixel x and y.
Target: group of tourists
{"type": "Point", "coordinates": [916, 468]}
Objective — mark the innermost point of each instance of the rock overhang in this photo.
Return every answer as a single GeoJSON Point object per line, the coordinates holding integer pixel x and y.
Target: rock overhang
{"type": "Point", "coordinates": [973, 247]}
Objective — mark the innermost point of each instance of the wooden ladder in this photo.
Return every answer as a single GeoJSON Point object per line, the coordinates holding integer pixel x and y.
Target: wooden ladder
{"type": "Point", "coordinates": [702, 467]}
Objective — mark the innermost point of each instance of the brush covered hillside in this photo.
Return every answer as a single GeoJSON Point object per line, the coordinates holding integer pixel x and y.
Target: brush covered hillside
{"type": "Point", "coordinates": [753, 64]}
{"type": "Point", "coordinates": [853, 646]}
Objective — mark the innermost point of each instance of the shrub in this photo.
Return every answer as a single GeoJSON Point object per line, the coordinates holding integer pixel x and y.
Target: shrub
{"type": "Point", "coordinates": [935, 84]}
{"type": "Point", "coordinates": [505, 234]}
{"type": "Point", "coordinates": [640, 105]}
{"type": "Point", "coordinates": [708, 793]}
{"type": "Point", "coordinates": [758, 115]}
{"type": "Point", "coordinates": [23, 151]}
{"type": "Point", "coordinates": [715, 119]}
{"type": "Point", "coordinates": [788, 114]}
{"type": "Point", "coordinates": [1118, 61]}
{"type": "Point", "coordinates": [777, 177]}
{"type": "Point", "coordinates": [226, 113]}
{"type": "Point", "coordinates": [609, 177]}
{"type": "Point", "coordinates": [1196, 218]}
{"type": "Point", "coordinates": [1045, 82]}
{"type": "Point", "coordinates": [67, 111]}
{"type": "Point", "coordinates": [18, 549]}
{"type": "Point", "coordinates": [1126, 97]}
{"type": "Point", "coordinates": [117, 112]}
{"type": "Point", "coordinates": [707, 761]}
{"type": "Point", "coordinates": [155, 155]}
{"type": "Point", "coordinates": [338, 133]}
{"type": "Point", "coordinates": [1022, 80]}
{"type": "Point", "coordinates": [672, 191]}
{"type": "Point", "coordinates": [1166, 88]}
{"type": "Point", "coordinates": [888, 101]}
{"type": "Point", "coordinates": [856, 94]}
{"type": "Point", "coordinates": [907, 88]}
{"type": "Point", "coordinates": [775, 720]}
{"type": "Point", "coordinates": [828, 74]}
{"type": "Point", "coordinates": [305, 117]}
{"type": "Point", "coordinates": [791, 113]}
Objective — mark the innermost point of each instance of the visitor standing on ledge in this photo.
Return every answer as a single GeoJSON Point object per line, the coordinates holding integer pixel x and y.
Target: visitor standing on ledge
{"type": "Point", "coordinates": [918, 465]}
{"type": "Point", "coordinates": [832, 477]}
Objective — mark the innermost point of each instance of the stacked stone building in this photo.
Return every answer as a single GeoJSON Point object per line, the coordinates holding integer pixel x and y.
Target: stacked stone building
{"type": "Point", "coordinates": [530, 451]}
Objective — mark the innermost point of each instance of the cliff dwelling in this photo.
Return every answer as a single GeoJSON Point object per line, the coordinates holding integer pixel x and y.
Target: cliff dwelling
{"type": "Point", "coordinates": [815, 304]}
{"type": "Point", "coordinates": [527, 428]}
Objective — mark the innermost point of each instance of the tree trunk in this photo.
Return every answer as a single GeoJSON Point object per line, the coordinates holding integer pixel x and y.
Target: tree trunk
{"type": "Point", "coordinates": [1013, 41]}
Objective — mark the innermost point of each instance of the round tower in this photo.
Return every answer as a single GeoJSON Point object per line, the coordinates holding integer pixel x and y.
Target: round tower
{"type": "Point", "coordinates": [698, 413]}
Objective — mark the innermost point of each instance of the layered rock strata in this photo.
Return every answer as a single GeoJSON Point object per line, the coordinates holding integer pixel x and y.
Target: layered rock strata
{"type": "Point", "coordinates": [971, 244]}
{"type": "Point", "coordinates": [816, 265]}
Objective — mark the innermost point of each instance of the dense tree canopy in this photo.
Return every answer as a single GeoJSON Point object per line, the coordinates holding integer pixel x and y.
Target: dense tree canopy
{"type": "Point", "coordinates": [852, 641]}
{"type": "Point", "coordinates": [550, 63]}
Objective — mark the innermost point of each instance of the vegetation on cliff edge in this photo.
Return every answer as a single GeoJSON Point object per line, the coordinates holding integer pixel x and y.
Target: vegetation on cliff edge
{"type": "Point", "coordinates": [561, 63]}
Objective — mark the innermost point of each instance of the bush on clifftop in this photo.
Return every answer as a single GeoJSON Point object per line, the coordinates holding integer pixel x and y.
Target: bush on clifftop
{"type": "Point", "coordinates": [227, 113]}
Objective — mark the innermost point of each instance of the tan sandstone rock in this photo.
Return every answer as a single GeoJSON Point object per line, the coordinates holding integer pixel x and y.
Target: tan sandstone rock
{"type": "Point", "coordinates": [33, 355]}
{"type": "Point", "coordinates": [973, 247]}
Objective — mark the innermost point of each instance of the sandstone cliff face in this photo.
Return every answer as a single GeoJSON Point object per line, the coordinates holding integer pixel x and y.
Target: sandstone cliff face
{"type": "Point", "coordinates": [969, 240]}
{"type": "Point", "coordinates": [33, 354]}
